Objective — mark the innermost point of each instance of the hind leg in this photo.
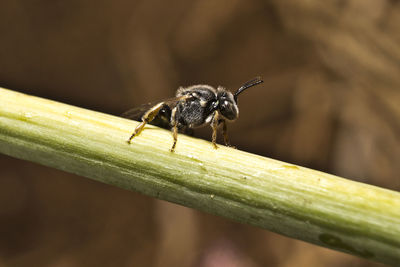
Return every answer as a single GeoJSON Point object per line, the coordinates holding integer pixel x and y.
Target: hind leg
{"type": "Point", "coordinates": [146, 118]}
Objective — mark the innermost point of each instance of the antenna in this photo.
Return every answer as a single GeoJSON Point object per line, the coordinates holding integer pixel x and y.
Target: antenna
{"type": "Point", "coordinates": [246, 85]}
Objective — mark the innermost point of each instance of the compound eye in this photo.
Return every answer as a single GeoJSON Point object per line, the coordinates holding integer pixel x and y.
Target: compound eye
{"type": "Point", "coordinates": [228, 110]}
{"type": "Point", "coordinates": [224, 106]}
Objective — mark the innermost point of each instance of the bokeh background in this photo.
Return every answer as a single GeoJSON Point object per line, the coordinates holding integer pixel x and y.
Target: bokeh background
{"type": "Point", "coordinates": [330, 101]}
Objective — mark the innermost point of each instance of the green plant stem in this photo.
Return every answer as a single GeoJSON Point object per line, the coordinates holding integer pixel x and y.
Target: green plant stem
{"type": "Point", "coordinates": [294, 201]}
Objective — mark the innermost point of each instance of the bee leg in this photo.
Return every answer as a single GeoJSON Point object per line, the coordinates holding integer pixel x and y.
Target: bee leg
{"type": "Point", "coordinates": [175, 135]}
{"type": "Point", "coordinates": [146, 118]}
{"type": "Point", "coordinates": [225, 133]}
{"type": "Point", "coordinates": [174, 128]}
{"type": "Point", "coordinates": [214, 126]}
{"type": "Point", "coordinates": [174, 122]}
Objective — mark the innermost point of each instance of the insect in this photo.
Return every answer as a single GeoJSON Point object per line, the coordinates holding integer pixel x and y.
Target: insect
{"type": "Point", "coordinates": [192, 107]}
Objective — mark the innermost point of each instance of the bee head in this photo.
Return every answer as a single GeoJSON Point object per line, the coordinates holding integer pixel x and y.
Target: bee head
{"type": "Point", "coordinates": [228, 102]}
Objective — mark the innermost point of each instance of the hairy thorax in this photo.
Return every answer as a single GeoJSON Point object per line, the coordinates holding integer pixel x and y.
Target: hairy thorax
{"type": "Point", "coordinates": [199, 106]}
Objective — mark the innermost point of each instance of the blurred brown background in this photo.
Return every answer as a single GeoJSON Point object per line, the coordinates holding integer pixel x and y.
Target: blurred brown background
{"type": "Point", "coordinates": [330, 101]}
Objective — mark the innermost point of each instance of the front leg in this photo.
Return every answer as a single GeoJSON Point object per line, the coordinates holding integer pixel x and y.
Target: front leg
{"type": "Point", "coordinates": [214, 126]}
{"type": "Point", "coordinates": [225, 133]}
{"type": "Point", "coordinates": [146, 118]}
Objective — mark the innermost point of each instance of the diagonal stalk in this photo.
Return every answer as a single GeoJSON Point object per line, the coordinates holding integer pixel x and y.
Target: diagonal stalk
{"type": "Point", "coordinates": [301, 203]}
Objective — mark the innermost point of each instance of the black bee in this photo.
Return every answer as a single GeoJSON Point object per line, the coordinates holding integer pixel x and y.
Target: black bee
{"type": "Point", "coordinates": [193, 107]}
